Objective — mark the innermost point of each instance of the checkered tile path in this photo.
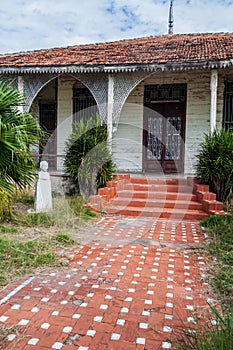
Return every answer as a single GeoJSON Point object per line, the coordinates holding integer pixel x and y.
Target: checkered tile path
{"type": "Point", "coordinates": [120, 292]}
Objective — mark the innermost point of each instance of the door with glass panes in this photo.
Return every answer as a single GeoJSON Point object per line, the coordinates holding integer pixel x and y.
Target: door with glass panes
{"type": "Point", "coordinates": [164, 128]}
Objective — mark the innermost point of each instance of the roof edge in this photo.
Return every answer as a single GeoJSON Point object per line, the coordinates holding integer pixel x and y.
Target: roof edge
{"type": "Point", "coordinates": [71, 69]}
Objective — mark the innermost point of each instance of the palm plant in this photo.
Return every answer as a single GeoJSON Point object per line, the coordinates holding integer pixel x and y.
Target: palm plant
{"type": "Point", "coordinates": [215, 162]}
{"type": "Point", "coordinates": [88, 159]}
{"type": "Point", "coordinates": [17, 132]}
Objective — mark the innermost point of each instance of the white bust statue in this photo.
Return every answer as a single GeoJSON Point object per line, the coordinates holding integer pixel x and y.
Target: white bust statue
{"type": "Point", "coordinates": [43, 200]}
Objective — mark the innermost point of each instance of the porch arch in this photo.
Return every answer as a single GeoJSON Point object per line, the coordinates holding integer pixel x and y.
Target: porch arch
{"type": "Point", "coordinates": [97, 83]}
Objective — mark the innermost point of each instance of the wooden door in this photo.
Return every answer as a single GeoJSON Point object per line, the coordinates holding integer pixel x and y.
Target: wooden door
{"type": "Point", "coordinates": [164, 130]}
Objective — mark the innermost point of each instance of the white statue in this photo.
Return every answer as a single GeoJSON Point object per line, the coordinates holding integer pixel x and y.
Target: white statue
{"type": "Point", "coordinates": [43, 200]}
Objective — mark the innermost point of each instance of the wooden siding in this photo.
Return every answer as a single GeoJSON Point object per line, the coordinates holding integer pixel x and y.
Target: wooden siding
{"type": "Point", "coordinates": [127, 140]}
{"type": "Point", "coordinates": [128, 143]}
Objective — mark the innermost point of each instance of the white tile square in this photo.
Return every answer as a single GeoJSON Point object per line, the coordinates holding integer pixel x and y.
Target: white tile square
{"type": "Point", "coordinates": [168, 317]}
{"type": "Point", "coordinates": [120, 322]}
{"type": "Point", "coordinates": [103, 307]}
{"type": "Point", "coordinates": [146, 313]}
{"type": "Point", "coordinates": [108, 297]}
{"type": "Point", "coordinates": [166, 345]}
{"type": "Point", "coordinates": [141, 341]}
{"type": "Point", "coordinates": [76, 316]}
{"type": "Point", "coordinates": [150, 292]}
{"type": "Point", "coordinates": [35, 309]}
{"type": "Point", "coordinates": [90, 295]}
{"type": "Point", "coordinates": [83, 305]}
{"type": "Point", "coordinates": [23, 322]}
{"type": "Point", "coordinates": [11, 337]}
{"type": "Point", "coordinates": [189, 307]}
{"type": "Point", "coordinates": [91, 333]}
{"type": "Point", "coordinates": [167, 329]}
{"type": "Point", "coordinates": [45, 300]}
{"type": "Point", "coordinates": [98, 318]}
{"type": "Point", "coordinates": [169, 305]}
{"type": "Point", "coordinates": [55, 313]}
{"type": "Point", "coordinates": [124, 310]}
{"type": "Point", "coordinates": [67, 329]}
{"type": "Point", "coordinates": [115, 336]}
{"type": "Point", "coordinates": [143, 325]}
{"type": "Point", "coordinates": [169, 295]}
{"type": "Point", "coordinates": [57, 346]}
{"type": "Point", "coordinates": [45, 325]}
{"type": "Point", "coordinates": [33, 341]}
{"type": "Point", "coordinates": [128, 299]}
{"type": "Point", "coordinates": [3, 318]}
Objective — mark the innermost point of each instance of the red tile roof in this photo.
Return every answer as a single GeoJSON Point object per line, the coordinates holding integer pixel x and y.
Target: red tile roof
{"type": "Point", "coordinates": [164, 49]}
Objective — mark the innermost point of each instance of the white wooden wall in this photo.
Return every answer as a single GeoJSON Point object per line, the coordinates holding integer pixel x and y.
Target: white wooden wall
{"type": "Point", "coordinates": [127, 140]}
{"type": "Point", "coordinates": [127, 144]}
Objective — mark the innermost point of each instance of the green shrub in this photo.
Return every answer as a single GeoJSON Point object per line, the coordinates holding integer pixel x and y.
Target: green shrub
{"type": "Point", "coordinates": [215, 163]}
{"type": "Point", "coordinates": [5, 204]}
{"type": "Point", "coordinates": [88, 159]}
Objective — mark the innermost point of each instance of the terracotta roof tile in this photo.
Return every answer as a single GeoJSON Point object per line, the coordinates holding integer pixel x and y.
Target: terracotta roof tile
{"type": "Point", "coordinates": [182, 48]}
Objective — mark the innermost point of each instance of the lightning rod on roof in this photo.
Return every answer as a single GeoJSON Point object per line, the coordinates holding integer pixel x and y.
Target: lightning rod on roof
{"type": "Point", "coordinates": [170, 19]}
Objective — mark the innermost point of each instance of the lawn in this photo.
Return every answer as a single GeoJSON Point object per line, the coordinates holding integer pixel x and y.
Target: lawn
{"type": "Point", "coordinates": [30, 241]}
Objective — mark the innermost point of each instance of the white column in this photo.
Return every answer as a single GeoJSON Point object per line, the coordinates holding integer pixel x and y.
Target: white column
{"type": "Point", "coordinates": [213, 98]}
{"type": "Point", "coordinates": [21, 90]}
{"type": "Point", "coordinates": [110, 109]}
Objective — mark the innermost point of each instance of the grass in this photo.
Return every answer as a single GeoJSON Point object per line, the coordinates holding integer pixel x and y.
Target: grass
{"type": "Point", "coordinates": [220, 248]}
{"type": "Point", "coordinates": [29, 240]}
{"type": "Point", "coordinates": [217, 333]}
{"type": "Point", "coordinates": [19, 257]}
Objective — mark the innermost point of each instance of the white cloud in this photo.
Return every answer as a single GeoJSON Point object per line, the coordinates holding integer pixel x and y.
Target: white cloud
{"type": "Point", "coordinates": [36, 24]}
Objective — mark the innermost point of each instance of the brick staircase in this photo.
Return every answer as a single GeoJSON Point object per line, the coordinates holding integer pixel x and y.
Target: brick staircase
{"type": "Point", "coordinates": [161, 198]}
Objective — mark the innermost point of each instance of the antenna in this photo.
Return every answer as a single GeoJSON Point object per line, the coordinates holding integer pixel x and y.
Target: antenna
{"type": "Point", "coordinates": [170, 19]}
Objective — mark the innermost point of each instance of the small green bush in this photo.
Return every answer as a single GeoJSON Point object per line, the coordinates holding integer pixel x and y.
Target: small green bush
{"type": "Point", "coordinates": [5, 204]}
{"type": "Point", "coordinates": [88, 159]}
{"type": "Point", "coordinates": [215, 163]}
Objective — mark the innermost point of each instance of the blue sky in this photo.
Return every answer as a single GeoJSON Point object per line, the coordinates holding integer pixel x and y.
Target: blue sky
{"type": "Point", "coordinates": [36, 24]}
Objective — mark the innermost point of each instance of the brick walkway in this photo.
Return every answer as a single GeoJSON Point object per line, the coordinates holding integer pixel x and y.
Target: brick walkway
{"type": "Point", "coordinates": [130, 288]}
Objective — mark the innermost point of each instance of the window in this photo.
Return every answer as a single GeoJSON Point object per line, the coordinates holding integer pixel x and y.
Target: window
{"type": "Point", "coordinates": [165, 93]}
{"type": "Point", "coordinates": [228, 106]}
{"type": "Point", "coordinates": [84, 104]}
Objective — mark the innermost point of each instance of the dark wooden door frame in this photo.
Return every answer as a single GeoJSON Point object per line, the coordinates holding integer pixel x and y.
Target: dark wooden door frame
{"type": "Point", "coordinates": [166, 108]}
